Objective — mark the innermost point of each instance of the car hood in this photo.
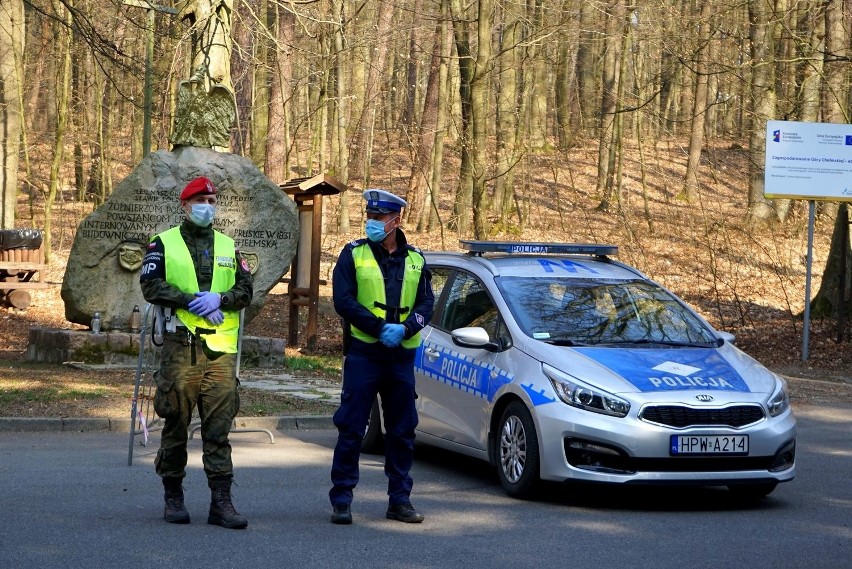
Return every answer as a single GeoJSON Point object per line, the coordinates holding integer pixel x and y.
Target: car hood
{"type": "Point", "coordinates": [659, 369]}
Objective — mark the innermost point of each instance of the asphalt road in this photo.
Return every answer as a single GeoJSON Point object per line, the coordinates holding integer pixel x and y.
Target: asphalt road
{"type": "Point", "coordinates": [69, 500]}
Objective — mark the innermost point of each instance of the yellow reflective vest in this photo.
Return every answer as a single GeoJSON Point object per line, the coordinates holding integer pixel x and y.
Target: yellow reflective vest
{"type": "Point", "coordinates": [371, 288]}
{"type": "Point", "coordinates": [180, 273]}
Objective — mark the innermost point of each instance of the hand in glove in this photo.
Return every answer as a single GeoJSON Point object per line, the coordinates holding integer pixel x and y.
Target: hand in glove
{"type": "Point", "coordinates": [216, 317]}
{"type": "Point", "coordinates": [392, 335]}
{"type": "Point", "coordinates": [205, 303]}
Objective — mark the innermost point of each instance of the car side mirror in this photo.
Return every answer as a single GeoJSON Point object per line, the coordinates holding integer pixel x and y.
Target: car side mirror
{"type": "Point", "coordinates": [474, 337]}
{"type": "Point", "coordinates": [726, 336]}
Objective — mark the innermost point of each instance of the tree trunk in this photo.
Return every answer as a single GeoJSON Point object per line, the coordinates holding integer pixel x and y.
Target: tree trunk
{"type": "Point", "coordinates": [763, 103]}
{"type": "Point", "coordinates": [825, 303]}
{"type": "Point", "coordinates": [419, 179]}
{"type": "Point", "coordinates": [535, 82]}
{"type": "Point", "coordinates": [362, 123]}
{"type": "Point", "coordinates": [11, 51]}
{"type": "Point", "coordinates": [341, 114]}
{"type": "Point", "coordinates": [479, 92]}
{"type": "Point", "coordinates": [507, 110]}
{"type": "Point", "coordinates": [615, 22]}
{"type": "Point", "coordinates": [280, 96]}
{"type": "Point", "coordinates": [432, 220]}
{"type": "Point", "coordinates": [699, 108]}
{"type": "Point", "coordinates": [63, 80]}
{"type": "Point", "coordinates": [813, 16]}
{"type": "Point", "coordinates": [463, 199]}
{"type": "Point", "coordinates": [260, 88]}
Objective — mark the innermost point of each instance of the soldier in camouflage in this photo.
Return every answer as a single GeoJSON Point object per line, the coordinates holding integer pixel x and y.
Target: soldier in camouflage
{"type": "Point", "coordinates": [196, 272]}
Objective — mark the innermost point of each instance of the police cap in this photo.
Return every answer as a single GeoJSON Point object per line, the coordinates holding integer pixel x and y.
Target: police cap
{"type": "Point", "coordinates": [380, 201]}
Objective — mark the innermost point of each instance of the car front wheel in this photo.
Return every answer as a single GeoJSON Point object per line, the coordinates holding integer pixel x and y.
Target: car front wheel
{"type": "Point", "coordinates": [517, 451]}
{"type": "Point", "coordinates": [373, 441]}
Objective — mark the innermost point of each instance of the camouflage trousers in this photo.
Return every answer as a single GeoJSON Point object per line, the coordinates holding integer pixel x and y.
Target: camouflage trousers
{"type": "Point", "coordinates": [207, 380]}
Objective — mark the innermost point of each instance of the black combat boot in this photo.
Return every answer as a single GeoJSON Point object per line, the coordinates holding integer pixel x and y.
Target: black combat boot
{"type": "Point", "coordinates": [174, 511]}
{"type": "Point", "coordinates": [222, 511]}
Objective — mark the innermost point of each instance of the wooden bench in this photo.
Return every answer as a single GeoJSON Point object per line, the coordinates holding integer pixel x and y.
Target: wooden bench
{"type": "Point", "coordinates": [21, 270]}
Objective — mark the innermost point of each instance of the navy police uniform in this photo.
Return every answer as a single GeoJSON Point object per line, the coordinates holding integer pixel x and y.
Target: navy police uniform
{"type": "Point", "coordinates": [371, 367]}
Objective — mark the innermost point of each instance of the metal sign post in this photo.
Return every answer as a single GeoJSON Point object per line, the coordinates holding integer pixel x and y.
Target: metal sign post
{"type": "Point", "coordinates": [806, 333]}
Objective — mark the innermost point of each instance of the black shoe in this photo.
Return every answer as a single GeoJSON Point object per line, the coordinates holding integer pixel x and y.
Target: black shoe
{"type": "Point", "coordinates": [404, 513]}
{"type": "Point", "coordinates": [342, 515]}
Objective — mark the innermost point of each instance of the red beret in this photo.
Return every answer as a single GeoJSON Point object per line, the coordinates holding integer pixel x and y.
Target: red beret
{"type": "Point", "coordinates": [200, 185]}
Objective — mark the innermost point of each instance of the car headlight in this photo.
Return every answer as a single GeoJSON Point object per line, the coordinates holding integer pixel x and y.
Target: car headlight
{"type": "Point", "coordinates": [584, 396]}
{"type": "Point", "coordinates": [780, 400]}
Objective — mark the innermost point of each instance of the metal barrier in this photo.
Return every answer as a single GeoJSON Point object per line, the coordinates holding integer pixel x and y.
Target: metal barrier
{"type": "Point", "coordinates": [143, 419]}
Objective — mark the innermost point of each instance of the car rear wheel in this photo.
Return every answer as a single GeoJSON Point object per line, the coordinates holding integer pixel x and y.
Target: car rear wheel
{"type": "Point", "coordinates": [373, 441]}
{"type": "Point", "coordinates": [753, 491]}
{"type": "Point", "coordinates": [517, 451]}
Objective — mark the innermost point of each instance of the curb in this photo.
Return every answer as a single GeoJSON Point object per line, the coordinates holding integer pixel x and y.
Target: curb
{"type": "Point", "coordinates": [106, 424]}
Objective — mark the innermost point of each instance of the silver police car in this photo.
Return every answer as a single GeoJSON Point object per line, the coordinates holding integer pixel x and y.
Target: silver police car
{"type": "Point", "coordinates": [557, 362]}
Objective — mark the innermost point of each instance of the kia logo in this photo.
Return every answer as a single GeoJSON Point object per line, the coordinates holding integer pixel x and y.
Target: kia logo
{"type": "Point", "coordinates": [703, 397]}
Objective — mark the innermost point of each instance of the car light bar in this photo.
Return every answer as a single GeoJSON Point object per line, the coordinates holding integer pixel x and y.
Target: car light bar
{"type": "Point", "coordinates": [538, 248]}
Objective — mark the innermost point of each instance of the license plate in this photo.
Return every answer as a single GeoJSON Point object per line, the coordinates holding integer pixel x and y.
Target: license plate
{"type": "Point", "coordinates": [709, 444]}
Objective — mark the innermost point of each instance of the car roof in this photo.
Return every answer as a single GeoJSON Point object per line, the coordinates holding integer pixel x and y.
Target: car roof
{"type": "Point", "coordinates": [538, 264]}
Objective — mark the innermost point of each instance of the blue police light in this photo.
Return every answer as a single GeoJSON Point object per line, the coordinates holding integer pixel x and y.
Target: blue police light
{"type": "Point", "coordinates": [538, 248]}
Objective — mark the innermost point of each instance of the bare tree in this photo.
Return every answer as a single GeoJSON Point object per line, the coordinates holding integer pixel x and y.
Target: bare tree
{"type": "Point", "coordinates": [761, 17]}
{"type": "Point", "coordinates": [11, 52]}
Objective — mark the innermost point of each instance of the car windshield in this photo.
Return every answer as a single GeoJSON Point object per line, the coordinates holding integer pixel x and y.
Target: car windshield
{"type": "Point", "coordinates": [594, 312]}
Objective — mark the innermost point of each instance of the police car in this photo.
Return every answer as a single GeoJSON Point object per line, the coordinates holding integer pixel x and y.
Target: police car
{"type": "Point", "coordinates": [557, 362]}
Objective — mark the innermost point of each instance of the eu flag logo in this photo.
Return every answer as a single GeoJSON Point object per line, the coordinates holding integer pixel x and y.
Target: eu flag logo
{"type": "Point", "coordinates": [776, 136]}
{"type": "Point", "coordinates": [849, 140]}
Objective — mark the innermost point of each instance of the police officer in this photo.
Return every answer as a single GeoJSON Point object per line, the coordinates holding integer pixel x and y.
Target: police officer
{"type": "Point", "coordinates": [197, 272]}
{"type": "Point", "coordinates": [382, 290]}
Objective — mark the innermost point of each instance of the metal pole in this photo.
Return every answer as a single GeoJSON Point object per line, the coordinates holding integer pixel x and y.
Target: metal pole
{"type": "Point", "coordinates": [807, 319]}
{"type": "Point", "coordinates": [140, 363]}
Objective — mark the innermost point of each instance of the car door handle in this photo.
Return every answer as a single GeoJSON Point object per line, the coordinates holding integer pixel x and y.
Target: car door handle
{"type": "Point", "coordinates": [432, 354]}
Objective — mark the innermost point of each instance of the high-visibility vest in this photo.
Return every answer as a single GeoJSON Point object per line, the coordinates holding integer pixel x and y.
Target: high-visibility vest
{"type": "Point", "coordinates": [180, 273]}
{"type": "Point", "coordinates": [371, 288]}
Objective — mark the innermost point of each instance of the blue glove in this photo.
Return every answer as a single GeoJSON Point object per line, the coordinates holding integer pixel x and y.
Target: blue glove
{"type": "Point", "coordinates": [216, 317]}
{"type": "Point", "coordinates": [392, 335]}
{"type": "Point", "coordinates": [205, 303]}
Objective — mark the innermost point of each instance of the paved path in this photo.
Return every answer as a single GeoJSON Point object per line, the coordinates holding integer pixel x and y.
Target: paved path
{"type": "Point", "coordinates": [301, 387]}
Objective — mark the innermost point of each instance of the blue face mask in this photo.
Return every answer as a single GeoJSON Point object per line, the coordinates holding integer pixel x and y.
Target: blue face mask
{"type": "Point", "coordinates": [202, 214]}
{"type": "Point", "coordinates": [376, 230]}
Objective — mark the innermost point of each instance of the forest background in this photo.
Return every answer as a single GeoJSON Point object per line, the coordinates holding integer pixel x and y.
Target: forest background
{"type": "Point", "coordinates": [639, 124]}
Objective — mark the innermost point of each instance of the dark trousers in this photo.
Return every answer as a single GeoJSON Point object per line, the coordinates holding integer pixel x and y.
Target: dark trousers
{"type": "Point", "coordinates": [211, 385]}
{"type": "Point", "coordinates": [363, 378]}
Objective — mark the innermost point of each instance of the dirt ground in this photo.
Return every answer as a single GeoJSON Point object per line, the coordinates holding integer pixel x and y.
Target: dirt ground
{"type": "Point", "coordinates": [744, 278]}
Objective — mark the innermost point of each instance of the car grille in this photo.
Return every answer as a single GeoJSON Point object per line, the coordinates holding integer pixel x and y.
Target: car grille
{"type": "Point", "coordinates": [680, 417]}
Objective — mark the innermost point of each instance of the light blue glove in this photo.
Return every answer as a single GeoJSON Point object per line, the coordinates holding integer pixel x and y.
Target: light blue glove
{"type": "Point", "coordinates": [205, 303]}
{"type": "Point", "coordinates": [216, 317]}
{"type": "Point", "coordinates": [392, 335]}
